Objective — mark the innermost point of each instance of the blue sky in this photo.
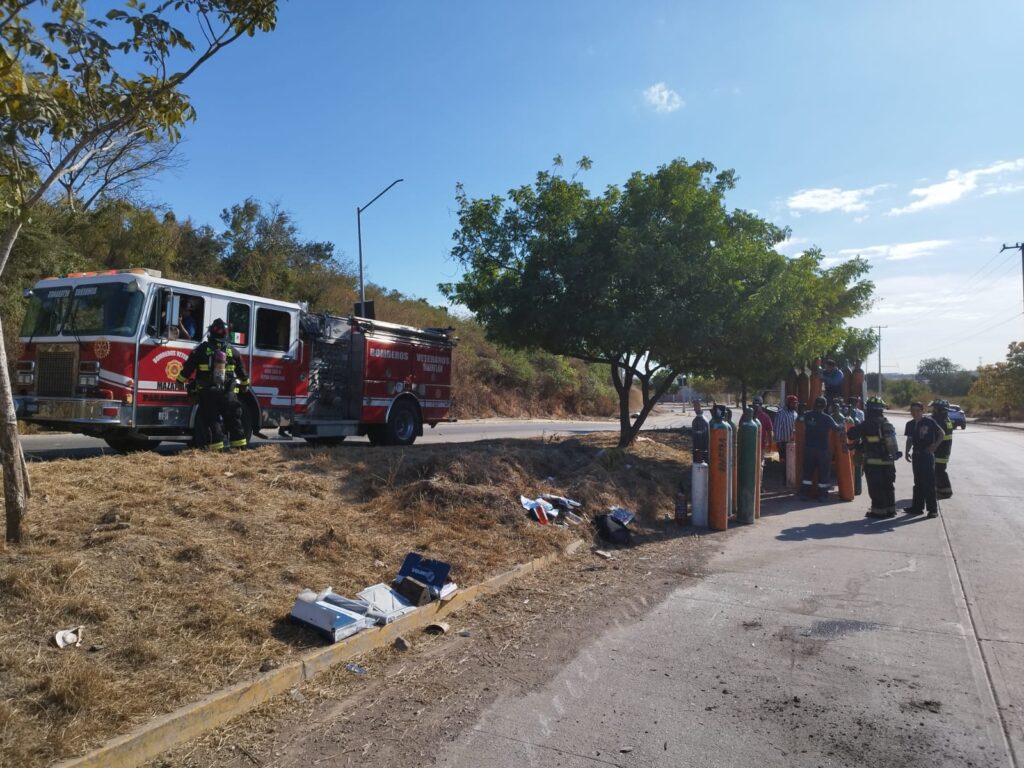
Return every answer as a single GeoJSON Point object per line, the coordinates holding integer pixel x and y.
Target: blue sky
{"type": "Point", "coordinates": [889, 129]}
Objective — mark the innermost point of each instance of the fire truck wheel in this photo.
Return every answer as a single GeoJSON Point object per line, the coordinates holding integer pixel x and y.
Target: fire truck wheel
{"type": "Point", "coordinates": [403, 424]}
{"type": "Point", "coordinates": [375, 435]}
{"type": "Point", "coordinates": [123, 444]}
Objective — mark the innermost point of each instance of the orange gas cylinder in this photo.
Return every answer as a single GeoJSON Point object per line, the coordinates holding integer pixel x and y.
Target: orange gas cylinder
{"type": "Point", "coordinates": [857, 382]}
{"type": "Point", "coordinates": [847, 382]}
{"type": "Point", "coordinates": [720, 474]}
{"type": "Point", "coordinates": [843, 461]}
{"type": "Point", "coordinates": [803, 388]}
{"type": "Point", "coordinates": [815, 385]}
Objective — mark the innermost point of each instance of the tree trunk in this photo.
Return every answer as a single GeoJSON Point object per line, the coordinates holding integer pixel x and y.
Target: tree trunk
{"type": "Point", "coordinates": [12, 459]}
{"type": "Point", "coordinates": [622, 380]}
{"type": "Point", "coordinates": [11, 456]}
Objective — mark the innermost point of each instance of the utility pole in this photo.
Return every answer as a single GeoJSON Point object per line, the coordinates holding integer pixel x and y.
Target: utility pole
{"type": "Point", "coordinates": [880, 327]}
{"type": "Point", "coordinates": [1016, 247]}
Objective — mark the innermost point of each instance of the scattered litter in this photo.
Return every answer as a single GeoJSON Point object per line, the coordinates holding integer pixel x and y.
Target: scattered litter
{"type": "Point", "coordinates": [613, 531]}
{"type": "Point", "coordinates": [437, 628]}
{"type": "Point", "coordinates": [355, 669]}
{"type": "Point", "coordinates": [621, 514]}
{"type": "Point", "coordinates": [325, 612]}
{"type": "Point", "coordinates": [229, 474]}
{"type": "Point", "coordinates": [401, 644]}
{"type": "Point", "coordinates": [296, 695]}
{"type": "Point", "coordinates": [269, 664]}
{"type": "Point", "coordinates": [385, 603]}
{"type": "Point", "coordinates": [602, 553]}
{"type": "Point", "coordinates": [432, 573]}
{"type": "Point", "coordinates": [542, 511]}
{"type": "Point", "coordinates": [379, 564]}
{"type": "Point", "coordinates": [68, 637]}
{"type": "Point", "coordinates": [96, 647]}
{"type": "Point", "coordinates": [561, 501]}
{"type": "Point", "coordinates": [465, 633]}
{"type": "Point", "coordinates": [624, 750]}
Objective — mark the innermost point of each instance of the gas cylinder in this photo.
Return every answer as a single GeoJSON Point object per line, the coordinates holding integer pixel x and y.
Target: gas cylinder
{"type": "Point", "coordinates": [815, 385]}
{"type": "Point", "coordinates": [798, 440]}
{"type": "Point", "coordinates": [843, 462]}
{"type": "Point", "coordinates": [803, 387]}
{"type": "Point", "coordinates": [857, 382]}
{"type": "Point", "coordinates": [793, 468]}
{"type": "Point", "coordinates": [749, 462]}
{"type": "Point", "coordinates": [699, 494]}
{"type": "Point", "coordinates": [720, 474]}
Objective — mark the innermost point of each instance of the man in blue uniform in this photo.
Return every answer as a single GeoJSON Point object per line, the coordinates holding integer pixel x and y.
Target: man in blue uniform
{"type": "Point", "coordinates": [924, 438]}
{"type": "Point", "coordinates": [818, 427]}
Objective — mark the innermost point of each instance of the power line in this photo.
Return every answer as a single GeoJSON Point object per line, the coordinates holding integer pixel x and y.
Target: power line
{"type": "Point", "coordinates": [966, 338]}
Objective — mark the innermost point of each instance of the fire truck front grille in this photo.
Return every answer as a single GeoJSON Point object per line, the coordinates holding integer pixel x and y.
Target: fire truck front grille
{"type": "Point", "coordinates": [55, 374]}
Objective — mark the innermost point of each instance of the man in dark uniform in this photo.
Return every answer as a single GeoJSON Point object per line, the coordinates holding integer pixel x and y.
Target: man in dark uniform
{"type": "Point", "coordinates": [924, 437]}
{"type": "Point", "coordinates": [220, 375]}
{"type": "Point", "coordinates": [940, 413]}
{"type": "Point", "coordinates": [876, 440]}
{"type": "Point", "coordinates": [699, 434]}
{"type": "Point", "coordinates": [818, 427]}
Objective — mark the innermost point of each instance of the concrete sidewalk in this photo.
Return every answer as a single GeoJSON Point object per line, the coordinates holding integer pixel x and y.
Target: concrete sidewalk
{"type": "Point", "coordinates": [816, 637]}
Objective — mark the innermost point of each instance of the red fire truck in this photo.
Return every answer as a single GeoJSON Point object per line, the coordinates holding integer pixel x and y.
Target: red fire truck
{"type": "Point", "coordinates": [99, 353]}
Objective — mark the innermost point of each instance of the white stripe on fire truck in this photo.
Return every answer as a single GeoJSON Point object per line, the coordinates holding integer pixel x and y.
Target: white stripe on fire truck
{"type": "Point", "coordinates": [116, 378]}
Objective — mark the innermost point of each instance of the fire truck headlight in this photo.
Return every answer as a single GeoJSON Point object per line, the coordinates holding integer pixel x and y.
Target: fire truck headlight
{"type": "Point", "coordinates": [26, 378]}
{"type": "Point", "coordinates": [88, 381]}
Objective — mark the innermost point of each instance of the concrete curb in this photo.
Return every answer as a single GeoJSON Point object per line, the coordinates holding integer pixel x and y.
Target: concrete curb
{"type": "Point", "coordinates": [192, 720]}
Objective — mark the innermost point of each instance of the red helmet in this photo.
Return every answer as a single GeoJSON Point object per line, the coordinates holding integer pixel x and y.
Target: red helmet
{"type": "Point", "coordinates": [218, 330]}
{"type": "Point", "coordinates": [792, 400]}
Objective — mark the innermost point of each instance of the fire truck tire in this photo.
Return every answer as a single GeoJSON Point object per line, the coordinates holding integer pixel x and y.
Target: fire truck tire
{"type": "Point", "coordinates": [403, 424]}
{"type": "Point", "coordinates": [123, 444]}
{"type": "Point", "coordinates": [375, 435]}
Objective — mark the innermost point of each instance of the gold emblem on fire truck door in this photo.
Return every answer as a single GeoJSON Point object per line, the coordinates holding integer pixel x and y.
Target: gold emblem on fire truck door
{"type": "Point", "coordinates": [101, 348]}
{"type": "Point", "coordinates": [173, 369]}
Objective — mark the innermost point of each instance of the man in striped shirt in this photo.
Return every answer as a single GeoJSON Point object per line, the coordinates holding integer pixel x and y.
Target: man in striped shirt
{"type": "Point", "coordinates": [785, 427]}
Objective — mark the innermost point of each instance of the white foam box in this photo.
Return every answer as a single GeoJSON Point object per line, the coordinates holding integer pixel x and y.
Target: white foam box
{"type": "Point", "coordinates": [331, 621]}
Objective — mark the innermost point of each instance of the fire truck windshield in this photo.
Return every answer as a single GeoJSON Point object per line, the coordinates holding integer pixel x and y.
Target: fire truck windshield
{"type": "Point", "coordinates": [105, 309]}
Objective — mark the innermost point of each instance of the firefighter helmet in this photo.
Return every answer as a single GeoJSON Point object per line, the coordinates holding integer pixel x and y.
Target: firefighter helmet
{"type": "Point", "coordinates": [875, 405]}
{"type": "Point", "coordinates": [939, 405]}
{"type": "Point", "coordinates": [218, 330]}
{"type": "Point", "coordinates": [820, 402]}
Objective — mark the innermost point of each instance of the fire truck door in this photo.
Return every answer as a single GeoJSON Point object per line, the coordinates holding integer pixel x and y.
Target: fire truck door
{"type": "Point", "coordinates": [162, 353]}
{"type": "Point", "coordinates": [275, 360]}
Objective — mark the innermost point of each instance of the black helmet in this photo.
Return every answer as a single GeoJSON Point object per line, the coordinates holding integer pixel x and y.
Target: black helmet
{"type": "Point", "coordinates": [939, 405]}
{"type": "Point", "coordinates": [874, 406]}
{"type": "Point", "coordinates": [218, 330]}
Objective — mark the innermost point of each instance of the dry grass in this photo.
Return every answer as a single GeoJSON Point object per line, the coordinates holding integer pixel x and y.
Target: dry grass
{"type": "Point", "coordinates": [183, 568]}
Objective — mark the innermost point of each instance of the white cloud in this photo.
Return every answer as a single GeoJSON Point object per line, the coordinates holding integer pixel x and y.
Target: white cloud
{"type": "Point", "coordinates": [663, 99]}
{"type": "Point", "coordinates": [959, 184]}
{"type": "Point", "coordinates": [897, 251]}
{"type": "Point", "coordinates": [1002, 189]}
{"type": "Point", "coordinates": [831, 199]}
{"type": "Point", "coordinates": [792, 245]}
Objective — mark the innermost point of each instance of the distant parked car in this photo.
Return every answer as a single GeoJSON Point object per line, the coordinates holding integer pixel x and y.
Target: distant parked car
{"type": "Point", "coordinates": [957, 416]}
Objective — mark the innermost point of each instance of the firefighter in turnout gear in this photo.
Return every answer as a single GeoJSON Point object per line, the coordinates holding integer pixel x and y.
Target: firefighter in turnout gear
{"type": "Point", "coordinates": [940, 413]}
{"type": "Point", "coordinates": [875, 438]}
{"type": "Point", "coordinates": [219, 376]}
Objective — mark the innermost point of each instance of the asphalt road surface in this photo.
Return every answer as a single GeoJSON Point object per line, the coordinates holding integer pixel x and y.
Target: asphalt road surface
{"type": "Point", "coordinates": [817, 637]}
{"type": "Point", "coordinates": [46, 446]}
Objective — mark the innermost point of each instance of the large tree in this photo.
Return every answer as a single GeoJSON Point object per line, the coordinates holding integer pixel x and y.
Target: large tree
{"type": "Point", "coordinates": [81, 88]}
{"type": "Point", "coordinates": [652, 279]}
{"type": "Point", "coordinates": [944, 376]}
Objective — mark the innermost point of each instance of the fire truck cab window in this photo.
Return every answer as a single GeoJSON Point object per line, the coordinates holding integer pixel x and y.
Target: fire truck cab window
{"type": "Point", "coordinates": [273, 329]}
{"type": "Point", "coordinates": [238, 322]}
{"type": "Point", "coordinates": [190, 318]}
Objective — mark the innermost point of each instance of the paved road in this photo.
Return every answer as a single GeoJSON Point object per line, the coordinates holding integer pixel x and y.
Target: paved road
{"type": "Point", "coordinates": [44, 446]}
{"type": "Point", "coordinates": [817, 638]}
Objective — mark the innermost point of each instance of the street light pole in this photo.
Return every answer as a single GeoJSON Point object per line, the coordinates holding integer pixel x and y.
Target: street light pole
{"type": "Point", "coordinates": [359, 234]}
{"type": "Point", "coordinates": [880, 327]}
{"type": "Point", "coordinates": [1016, 247]}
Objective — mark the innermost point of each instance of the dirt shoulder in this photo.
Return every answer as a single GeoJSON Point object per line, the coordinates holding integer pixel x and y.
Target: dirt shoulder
{"type": "Point", "coordinates": [182, 568]}
{"type": "Point", "coordinates": [410, 702]}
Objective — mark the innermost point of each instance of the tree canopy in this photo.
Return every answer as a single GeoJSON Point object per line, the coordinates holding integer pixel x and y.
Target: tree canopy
{"type": "Point", "coordinates": [85, 103]}
{"type": "Point", "coordinates": [944, 376]}
{"type": "Point", "coordinates": [655, 277]}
